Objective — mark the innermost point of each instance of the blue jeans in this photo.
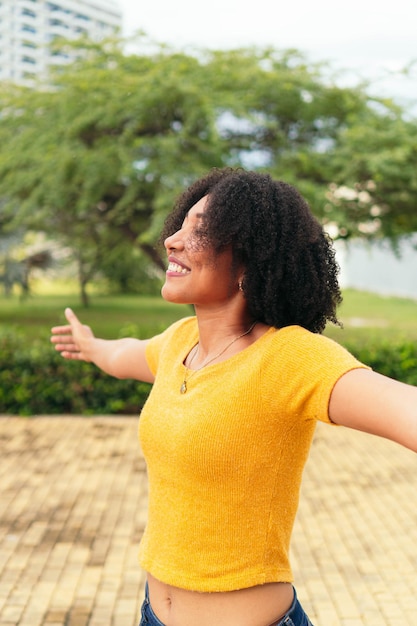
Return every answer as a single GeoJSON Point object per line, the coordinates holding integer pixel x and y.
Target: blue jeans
{"type": "Point", "coordinates": [295, 615]}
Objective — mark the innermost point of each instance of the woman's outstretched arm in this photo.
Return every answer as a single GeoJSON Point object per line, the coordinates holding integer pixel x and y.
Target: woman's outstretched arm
{"type": "Point", "coordinates": [122, 358]}
{"type": "Point", "coordinates": [376, 404]}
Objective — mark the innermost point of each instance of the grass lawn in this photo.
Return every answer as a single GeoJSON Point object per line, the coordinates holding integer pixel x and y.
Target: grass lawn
{"type": "Point", "coordinates": [365, 315]}
{"type": "Point", "coordinates": [109, 316]}
{"type": "Point", "coordinates": [362, 314]}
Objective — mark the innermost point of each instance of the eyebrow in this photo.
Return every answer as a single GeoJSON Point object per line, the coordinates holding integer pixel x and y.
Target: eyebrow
{"type": "Point", "coordinates": [197, 215]}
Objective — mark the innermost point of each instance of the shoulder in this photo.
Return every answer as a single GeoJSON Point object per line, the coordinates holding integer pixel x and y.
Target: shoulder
{"type": "Point", "coordinates": [176, 335]}
{"type": "Point", "coordinates": [307, 355]}
{"type": "Point", "coordinates": [299, 340]}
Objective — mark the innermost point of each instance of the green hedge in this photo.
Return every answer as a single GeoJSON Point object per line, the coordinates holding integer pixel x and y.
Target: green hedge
{"type": "Point", "coordinates": [35, 380]}
{"type": "Point", "coordinates": [396, 359]}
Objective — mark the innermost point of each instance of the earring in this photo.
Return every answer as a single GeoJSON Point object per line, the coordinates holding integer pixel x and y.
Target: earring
{"type": "Point", "coordinates": [240, 283]}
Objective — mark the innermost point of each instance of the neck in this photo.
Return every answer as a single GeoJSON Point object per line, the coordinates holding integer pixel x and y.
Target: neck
{"type": "Point", "coordinates": [216, 330]}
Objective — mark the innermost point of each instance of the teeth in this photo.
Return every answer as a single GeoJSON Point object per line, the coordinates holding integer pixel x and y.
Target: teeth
{"type": "Point", "coordinates": [174, 267]}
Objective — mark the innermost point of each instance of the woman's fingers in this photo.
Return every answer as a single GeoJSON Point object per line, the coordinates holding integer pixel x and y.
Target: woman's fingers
{"type": "Point", "coordinates": [61, 330]}
{"type": "Point", "coordinates": [70, 315]}
{"type": "Point", "coordinates": [70, 339]}
{"type": "Point", "coordinates": [63, 339]}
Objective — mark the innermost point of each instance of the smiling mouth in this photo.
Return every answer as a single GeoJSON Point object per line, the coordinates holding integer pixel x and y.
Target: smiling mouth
{"type": "Point", "coordinates": [178, 269]}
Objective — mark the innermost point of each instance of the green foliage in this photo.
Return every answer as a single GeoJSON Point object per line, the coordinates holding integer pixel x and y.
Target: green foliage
{"type": "Point", "coordinates": [35, 380]}
{"type": "Point", "coordinates": [98, 160]}
{"type": "Point", "coordinates": [376, 160]}
{"type": "Point", "coordinates": [396, 359]}
{"type": "Point", "coordinates": [126, 271]}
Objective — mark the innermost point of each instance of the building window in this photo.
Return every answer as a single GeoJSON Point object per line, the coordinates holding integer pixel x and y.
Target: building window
{"type": "Point", "coordinates": [56, 8]}
{"type": "Point", "coordinates": [31, 60]}
{"type": "Point", "coordinates": [60, 23]}
{"type": "Point", "coordinates": [28, 29]}
{"type": "Point", "coordinates": [28, 12]}
{"type": "Point", "coordinates": [58, 54]}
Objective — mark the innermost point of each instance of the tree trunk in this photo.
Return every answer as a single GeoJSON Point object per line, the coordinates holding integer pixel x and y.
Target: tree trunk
{"type": "Point", "coordinates": [83, 281]}
{"type": "Point", "coordinates": [85, 301]}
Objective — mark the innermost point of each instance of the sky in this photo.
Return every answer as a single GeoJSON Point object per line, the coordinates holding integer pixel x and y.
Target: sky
{"type": "Point", "coordinates": [363, 38]}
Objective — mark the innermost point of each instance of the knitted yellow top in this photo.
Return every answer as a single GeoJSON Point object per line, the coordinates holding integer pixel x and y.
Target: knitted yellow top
{"type": "Point", "coordinates": [225, 459]}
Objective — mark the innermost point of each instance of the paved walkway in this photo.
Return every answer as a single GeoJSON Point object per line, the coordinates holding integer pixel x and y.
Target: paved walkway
{"type": "Point", "coordinates": [73, 507]}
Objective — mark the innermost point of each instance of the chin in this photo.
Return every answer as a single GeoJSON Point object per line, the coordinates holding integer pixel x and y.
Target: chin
{"type": "Point", "coordinates": [170, 296]}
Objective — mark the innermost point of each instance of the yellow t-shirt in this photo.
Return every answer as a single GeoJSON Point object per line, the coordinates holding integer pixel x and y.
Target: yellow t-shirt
{"type": "Point", "coordinates": [225, 459]}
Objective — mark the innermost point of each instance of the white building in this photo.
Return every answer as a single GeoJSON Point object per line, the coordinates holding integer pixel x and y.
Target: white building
{"type": "Point", "coordinates": [27, 27]}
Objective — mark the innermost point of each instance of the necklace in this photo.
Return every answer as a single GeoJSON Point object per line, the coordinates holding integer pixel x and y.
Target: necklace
{"type": "Point", "coordinates": [183, 388]}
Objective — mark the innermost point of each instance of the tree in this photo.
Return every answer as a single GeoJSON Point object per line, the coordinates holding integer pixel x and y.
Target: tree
{"type": "Point", "coordinates": [106, 150]}
{"type": "Point", "coordinates": [374, 190]}
{"type": "Point", "coordinates": [98, 160]}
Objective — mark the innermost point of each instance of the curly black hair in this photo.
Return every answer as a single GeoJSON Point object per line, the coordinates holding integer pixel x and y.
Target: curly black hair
{"type": "Point", "coordinates": [290, 267]}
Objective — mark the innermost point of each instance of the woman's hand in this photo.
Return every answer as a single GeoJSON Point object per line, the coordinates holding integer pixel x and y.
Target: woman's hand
{"type": "Point", "coordinates": [122, 358]}
{"type": "Point", "coordinates": [72, 340]}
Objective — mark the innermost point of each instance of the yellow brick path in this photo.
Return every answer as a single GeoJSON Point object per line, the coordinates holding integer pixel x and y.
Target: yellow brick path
{"type": "Point", "coordinates": [73, 507]}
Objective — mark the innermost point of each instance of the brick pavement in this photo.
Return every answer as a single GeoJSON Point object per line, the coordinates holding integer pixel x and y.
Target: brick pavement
{"type": "Point", "coordinates": [73, 507]}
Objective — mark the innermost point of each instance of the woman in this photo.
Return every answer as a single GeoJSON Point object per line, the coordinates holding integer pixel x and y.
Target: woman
{"type": "Point", "coordinates": [238, 389]}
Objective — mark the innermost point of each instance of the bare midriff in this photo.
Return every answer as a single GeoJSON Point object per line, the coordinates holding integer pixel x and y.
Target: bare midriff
{"type": "Point", "coordinates": [262, 605]}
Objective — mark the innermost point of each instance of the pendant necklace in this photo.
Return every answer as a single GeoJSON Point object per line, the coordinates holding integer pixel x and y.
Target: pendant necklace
{"type": "Point", "coordinates": [183, 388]}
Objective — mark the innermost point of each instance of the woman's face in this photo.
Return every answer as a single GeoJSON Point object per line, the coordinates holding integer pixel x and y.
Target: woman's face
{"type": "Point", "coordinates": [196, 274]}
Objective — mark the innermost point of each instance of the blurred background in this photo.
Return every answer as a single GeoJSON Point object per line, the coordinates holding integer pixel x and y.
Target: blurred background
{"type": "Point", "coordinates": [109, 109]}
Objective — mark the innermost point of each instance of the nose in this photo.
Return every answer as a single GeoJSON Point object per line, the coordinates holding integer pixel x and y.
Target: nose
{"type": "Point", "coordinates": [174, 241]}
